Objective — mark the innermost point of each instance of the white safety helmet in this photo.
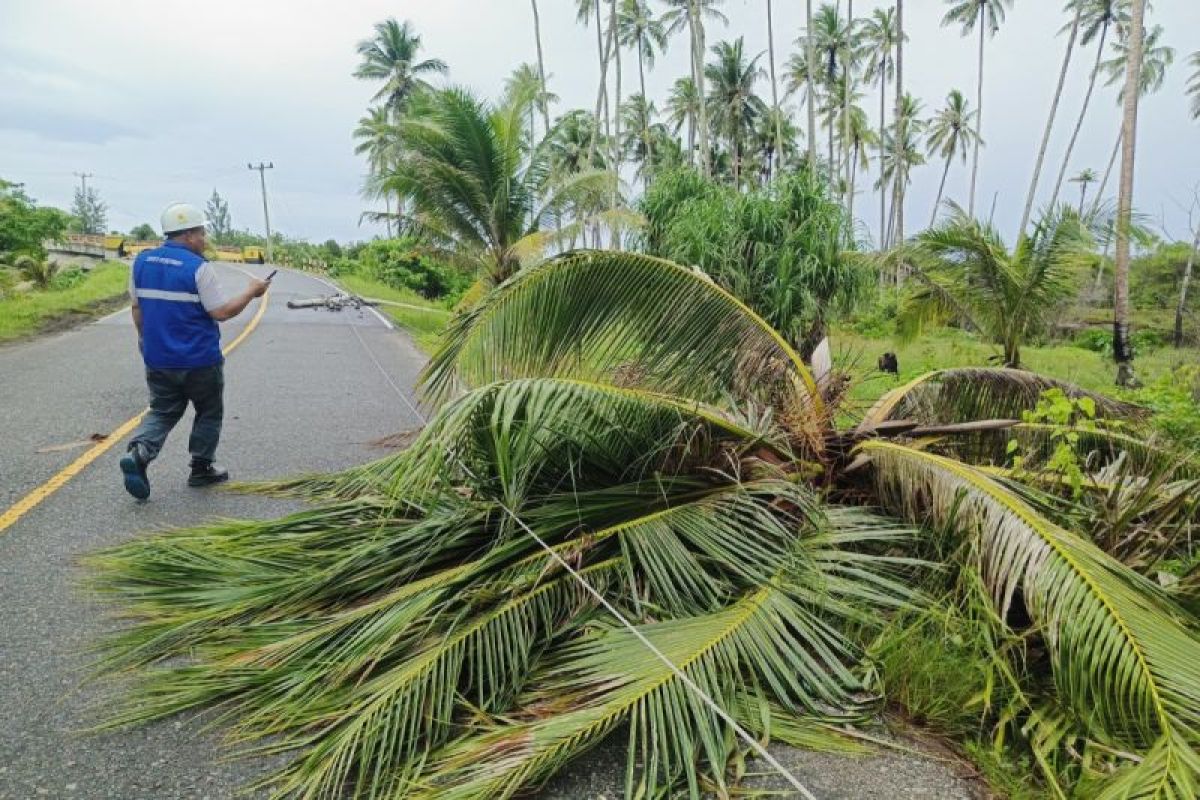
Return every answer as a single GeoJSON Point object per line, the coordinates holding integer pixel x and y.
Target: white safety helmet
{"type": "Point", "coordinates": [181, 217]}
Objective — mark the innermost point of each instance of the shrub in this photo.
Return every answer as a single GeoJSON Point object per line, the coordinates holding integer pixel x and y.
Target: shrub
{"type": "Point", "coordinates": [1175, 400]}
{"type": "Point", "coordinates": [67, 278]}
{"type": "Point", "coordinates": [401, 264]}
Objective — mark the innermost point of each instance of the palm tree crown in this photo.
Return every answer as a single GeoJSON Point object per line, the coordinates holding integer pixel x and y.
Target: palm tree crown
{"type": "Point", "coordinates": [474, 184]}
{"type": "Point", "coordinates": [734, 107]}
{"type": "Point", "coordinates": [391, 57]}
{"type": "Point", "coordinates": [1156, 58]}
{"type": "Point", "coordinates": [1194, 84]}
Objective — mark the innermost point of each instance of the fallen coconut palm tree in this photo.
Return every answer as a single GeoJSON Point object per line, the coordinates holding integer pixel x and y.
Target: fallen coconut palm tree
{"type": "Point", "coordinates": [419, 635]}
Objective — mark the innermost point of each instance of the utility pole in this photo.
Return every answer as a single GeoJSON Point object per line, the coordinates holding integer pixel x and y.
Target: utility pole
{"type": "Point", "coordinates": [262, 178]}
{"type": "Point", "coordinates": [83, 176]}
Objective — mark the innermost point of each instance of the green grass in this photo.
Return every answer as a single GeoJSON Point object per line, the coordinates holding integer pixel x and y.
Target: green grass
{"type": "Point", "coordinates": [953, 348]}
{"type": "Point", "coordinates": [30, 312]}
{"type": "Point", "coordinates": [423, 326]}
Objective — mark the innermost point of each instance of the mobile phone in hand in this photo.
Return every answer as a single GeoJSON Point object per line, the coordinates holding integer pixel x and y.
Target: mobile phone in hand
{"type": "Point", "coordinates": [272, 275]}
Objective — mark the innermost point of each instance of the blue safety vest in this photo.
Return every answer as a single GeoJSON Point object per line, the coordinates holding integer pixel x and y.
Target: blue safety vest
{"type": "Point", "coordinates": [177, 332]}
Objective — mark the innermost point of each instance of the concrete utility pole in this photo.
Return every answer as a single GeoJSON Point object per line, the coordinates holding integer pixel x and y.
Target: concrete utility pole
{"type": "Point", "coordinates": [262, 178]}
{"type": "Point", "coordinates": [83, 176]}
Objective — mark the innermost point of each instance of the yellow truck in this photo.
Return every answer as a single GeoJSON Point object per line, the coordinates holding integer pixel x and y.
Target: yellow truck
{"type": "Point", "coordinates": [245, 255]}
{"type": "Point", "coordinates": [129, 248]}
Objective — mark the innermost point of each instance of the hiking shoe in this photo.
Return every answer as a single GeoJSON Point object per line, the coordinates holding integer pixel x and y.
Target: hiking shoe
{"type": "Point", "coordinates": [205, 473]}
{"type": "Point", "coordinates": [133, 467]}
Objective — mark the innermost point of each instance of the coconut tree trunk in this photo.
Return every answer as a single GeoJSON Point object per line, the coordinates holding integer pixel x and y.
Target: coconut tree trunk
{"type": "Point", "coordinates": [1122, 351]}
{"type": "Point", "coordinates": [1041, 156]}
{"type": "Point", "coordinates": [697, 26]}
{"type": "Point", "coordinates": [616, 49]}
{"type": "Point", "coordinates": [941, 188]}
{"type": "Point", "coordinates": [846, 104]}
{"type": "Point", "coordinates": [387, 208]}
{"type": "Point", "coordinates": [1087, 98]}
{"type": "Point", "coordinates": [854, 176]}
{"type": "Point", "coordinates": [649, 165]}
{"type": "Point", "coordinates": [898, 195]}
{"type": "Point", "coordinates": [1112, 161]}
{"type": "Point", "coordinates": [1181, 306]}
{"type": "Point", "coordinates": [774, 90]}
{"type": "Point", "coordinates": [882, 124]}
{"type": "Point", "coordinates": [978, 115]}
{"type": "Point", "coordinates": [810, 59]}
{"type": "Point", "coordinates": [1082, 196]}
{"type": "Point", "coordinates": [537, 35]}
{"type": "Point", "coordinates": [605, 45]}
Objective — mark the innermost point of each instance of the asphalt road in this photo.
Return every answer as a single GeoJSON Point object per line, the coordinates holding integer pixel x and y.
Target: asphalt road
{"type": "Point", "coordinates": [306, 391]}
{"type": "Point", "coordinates": [303, 393]}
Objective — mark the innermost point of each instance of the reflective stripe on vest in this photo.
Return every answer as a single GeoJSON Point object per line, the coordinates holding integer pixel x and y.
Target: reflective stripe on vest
{"type": "Point", "coordinates": [159, 294]}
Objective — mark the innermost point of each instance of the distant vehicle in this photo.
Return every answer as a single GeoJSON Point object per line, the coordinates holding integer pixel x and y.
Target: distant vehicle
{"type": "Point", "coordinates": [125, 247]}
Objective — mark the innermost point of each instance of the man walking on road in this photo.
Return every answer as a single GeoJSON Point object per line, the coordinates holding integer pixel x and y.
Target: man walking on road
{"type": "Point", "coordinates": [177, 303]}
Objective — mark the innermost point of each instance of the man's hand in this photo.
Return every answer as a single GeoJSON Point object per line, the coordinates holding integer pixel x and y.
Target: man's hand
{"type": "Point", "coordinates": [237, 305]}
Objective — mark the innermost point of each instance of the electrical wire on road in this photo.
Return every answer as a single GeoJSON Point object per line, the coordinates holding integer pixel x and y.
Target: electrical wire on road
{"type": "Point", "coordinates": [742, 733]}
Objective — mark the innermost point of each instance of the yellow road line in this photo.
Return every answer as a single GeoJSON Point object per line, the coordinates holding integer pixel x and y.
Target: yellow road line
{"type": "Point", "coordinates": [60, 479]}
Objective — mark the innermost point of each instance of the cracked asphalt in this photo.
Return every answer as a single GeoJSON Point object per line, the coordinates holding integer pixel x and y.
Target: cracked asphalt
{"type": "Point", "coordinates": [304, 392]}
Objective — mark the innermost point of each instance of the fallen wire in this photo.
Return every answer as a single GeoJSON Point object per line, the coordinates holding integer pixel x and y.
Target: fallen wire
{"type": "Point", "coordinates": [742, 733]}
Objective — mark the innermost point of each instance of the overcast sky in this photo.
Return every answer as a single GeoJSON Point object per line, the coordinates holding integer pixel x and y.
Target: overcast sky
{"type": "Point", "coordinates": [164, 100]}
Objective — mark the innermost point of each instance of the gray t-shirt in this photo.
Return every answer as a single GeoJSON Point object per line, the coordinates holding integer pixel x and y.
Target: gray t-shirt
{"type": "Point", "coordinates": [208, 286]}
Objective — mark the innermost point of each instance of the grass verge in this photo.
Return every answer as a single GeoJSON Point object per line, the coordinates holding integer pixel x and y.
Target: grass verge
{"type": "Point", "coordinates": [33, 312]}
{"type": "Point", "coordinates": [425, 326]}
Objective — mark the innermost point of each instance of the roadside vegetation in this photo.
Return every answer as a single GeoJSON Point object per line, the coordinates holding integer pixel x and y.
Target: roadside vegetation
{"type": "Point", "coordinates": [70, 296]}
{"type": "Point", "coordinates": [663, 383]}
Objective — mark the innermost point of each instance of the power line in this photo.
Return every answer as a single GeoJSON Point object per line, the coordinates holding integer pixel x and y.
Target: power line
{"type": "Point", "coordinates": [262, 177]}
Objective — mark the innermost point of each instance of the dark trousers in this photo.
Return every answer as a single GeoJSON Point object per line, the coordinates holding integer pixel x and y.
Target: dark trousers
{"type": "Point", "coordinates": [170, 392]}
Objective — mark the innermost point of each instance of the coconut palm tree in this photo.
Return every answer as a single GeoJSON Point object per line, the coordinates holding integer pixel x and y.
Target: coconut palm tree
{"type": "Point", "coordinates": [967, 272]}
{"type": "Point", "coordinates": [377, 140]}
{"type": "Point", "coordinates": [638, 28]}
{"type": "Point", "coordinates": [734, 107]}
{"type": "Point", "coordinates": [1098, 17]}
{"type": "Point", "coordinates": [1073, 29]}
{"type": "Point", "coordinates": [879, 36]}
{"type": "Point", "coordinates": [1132, 51]}
{"type": "Point", "coordinates": [638, 118]}
{"type": "Point", "coordinates": [541, 65]}
{"type": "Point", "coordinates": [951, 133]}
{"type": "Point", "coordinates": [902, 151]}
{"type": "Point", "coordinates": [691, 14]}
{"type": "Point", "coordinates": [1194, 84]}
{"type": "Point", "coordinates": [987, 16]}
{"type": "Point", "coordinates": [683, 108]}
{"type": "Point", "coordinates": [830, 42]}
{"type": "Point", "coordinates": [899, 142]}
{"type": "Point", "coordinates": [1155, 60]}
{"type": "Point", "coordinates": [777, 118]}
{"type": "Point", "coordinates": [474, 185]}
{"type": "Point", "coordinates": [834, 116]}
{"type": "Point", "coordinates": [775, 153]}
{"type": "Point", "coordinates": [391, 57]}
{"type": "Point", "coordinates": [630, 457]}
{"type": "Point", "coordinates": [862, 141]}
{"type": "Point", "coordinates": [1085, 177]}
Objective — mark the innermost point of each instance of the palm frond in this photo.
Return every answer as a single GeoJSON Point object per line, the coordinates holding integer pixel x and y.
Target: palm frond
{"type": "Point", "coordinates": [951, 395]}
{"type": "Point", "coordinates": [600, 316]}
{"type": "Point", "coordinates": [599, 683]}
{"type": "Point", "coordinates": [1123, 661]}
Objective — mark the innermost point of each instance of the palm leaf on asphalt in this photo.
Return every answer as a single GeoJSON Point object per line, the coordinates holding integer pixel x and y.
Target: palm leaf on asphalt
{"type": "Point", "coordinates": [1124, 662]}
{"type": "Point", "coordinates": [593, 686]}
